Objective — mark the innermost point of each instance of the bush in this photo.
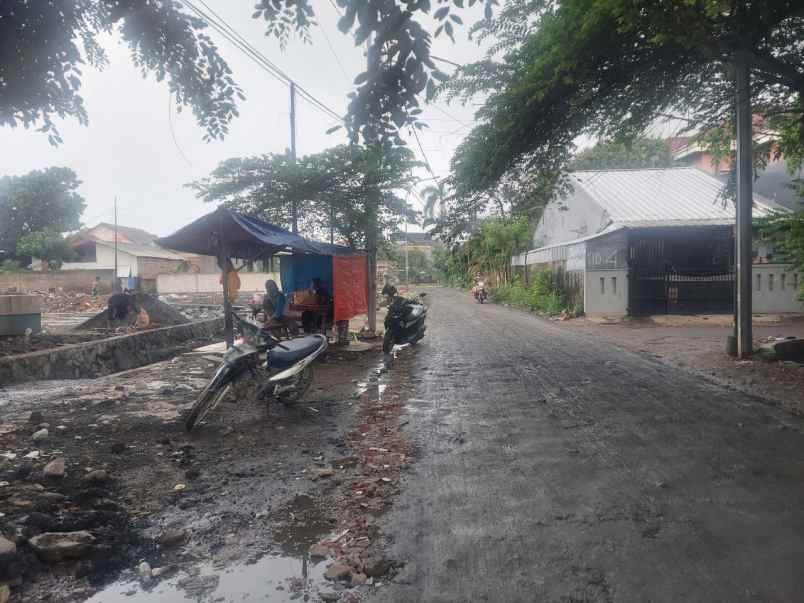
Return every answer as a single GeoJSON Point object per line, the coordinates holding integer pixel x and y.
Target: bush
{"type": "Point", "coordinates": [544, 295]}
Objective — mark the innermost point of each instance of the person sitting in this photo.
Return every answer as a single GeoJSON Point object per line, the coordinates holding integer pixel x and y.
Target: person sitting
{"type": "Point", "coordinates": [312, 320]}
{"type": "Point", "coordinates": [273, 309]}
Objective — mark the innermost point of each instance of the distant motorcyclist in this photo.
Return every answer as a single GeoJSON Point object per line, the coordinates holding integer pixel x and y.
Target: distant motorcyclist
{"type": "Point", "coordinates": [479, 290]}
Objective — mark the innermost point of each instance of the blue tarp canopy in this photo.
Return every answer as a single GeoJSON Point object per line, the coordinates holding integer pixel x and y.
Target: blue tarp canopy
{"type": "Point", "coordinates": [244, 237]}
{"type": "Point", "coordinates": [297, 272]}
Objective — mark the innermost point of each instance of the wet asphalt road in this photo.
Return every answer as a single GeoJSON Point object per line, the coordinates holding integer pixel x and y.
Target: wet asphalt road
{"type": "Point", "coordinates": [554, 466]}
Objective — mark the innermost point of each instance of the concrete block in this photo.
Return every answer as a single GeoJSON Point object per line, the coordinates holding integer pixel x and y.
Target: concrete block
{"type": "Point", "coordinates": [20, 304]}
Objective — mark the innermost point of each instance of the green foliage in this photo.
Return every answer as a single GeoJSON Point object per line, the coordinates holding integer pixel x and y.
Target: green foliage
{"type": "Point", "coordinates": [487, 252]}
{"type": "Point", "coordinates": [46, 245]}
{"type": "Point", "coordinates": [545, 294]}
{"type": "Point", "coordinates": [41, 68]}
{"type": "Point", "coordinates": [36, 202]}
{"type": "Point", "coordinates": [419, 265]}
{"type": "Point", "coordinates": [338, 186]}
{"type": "Point", "coordinates": [786, 233]}
{"type": "Point", "coordinates": [400, 69]}
{"type": "Point", "coordinates": [609, 68]}
{"type": "Point", "coordinates": [638, 153]}
{"type": "Point", "coordinates": [10, 266]}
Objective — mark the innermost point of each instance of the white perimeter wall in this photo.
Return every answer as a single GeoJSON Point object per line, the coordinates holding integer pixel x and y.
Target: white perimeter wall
{"type": "Point", "coordinates": [605, 293]}
{"type": "Point", "coordinates": [775, 289]}
{"type": "Point", "coordinates": [189, 282]}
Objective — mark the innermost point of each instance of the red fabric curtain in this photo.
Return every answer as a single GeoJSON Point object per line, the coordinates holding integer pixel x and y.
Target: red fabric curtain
{"type": "Point", "coordinates": [350, 278]}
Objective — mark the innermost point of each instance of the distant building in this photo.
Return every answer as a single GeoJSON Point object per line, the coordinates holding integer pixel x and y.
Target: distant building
{"type": "Point", "coordinates": [414, 241]}
{"type": "Point", "coordinates": [138, 257]}
{"type": "Point", "coordinates": [774, 182]}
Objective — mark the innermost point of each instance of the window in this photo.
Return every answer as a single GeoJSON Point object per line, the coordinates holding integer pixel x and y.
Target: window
{"type": "Point", "coordinates": [602, 285]}
{"type": "Point", "coordinates": [770, 282]}
{"type": "Point", "coordinates": [783, 281]}
{"type": "Point", "coordinates": [759, 282]}
{"type": "Point", "coordinates": [614, 285]}
{"type": "Point", "coordinates": [795, 281]}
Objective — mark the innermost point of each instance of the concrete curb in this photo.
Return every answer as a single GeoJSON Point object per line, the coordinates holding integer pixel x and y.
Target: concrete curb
{"type": "Point", "coordinates": [104, 356]}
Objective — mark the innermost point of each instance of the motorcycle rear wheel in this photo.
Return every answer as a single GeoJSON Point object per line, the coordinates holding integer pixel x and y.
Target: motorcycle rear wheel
{"type": "Point", "coordinates": [204, 405]}
{"type": "Point", "coordinates": [303, 382]}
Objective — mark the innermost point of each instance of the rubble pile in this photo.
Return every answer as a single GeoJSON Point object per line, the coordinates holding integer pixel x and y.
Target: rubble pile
{"type": "Point", "coordinates": [52, 516]}
{"type": "Point", "coordinates": [59, 300]}
{"type": "Point", "coordinates": [159, 313]}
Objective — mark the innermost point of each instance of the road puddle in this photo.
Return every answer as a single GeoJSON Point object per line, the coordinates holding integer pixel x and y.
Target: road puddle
{"type": "Point", "coordinates": [289, 575]}
{"type": "Point", "coordinates": [272, 578]}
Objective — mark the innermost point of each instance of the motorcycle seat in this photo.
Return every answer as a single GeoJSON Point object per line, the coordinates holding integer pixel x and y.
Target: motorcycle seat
{"type": "Point", "coordinates": [296, 350]}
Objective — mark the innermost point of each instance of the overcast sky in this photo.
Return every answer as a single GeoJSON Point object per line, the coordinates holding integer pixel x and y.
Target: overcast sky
{"type": "Point", "coordinates": [127, 149]}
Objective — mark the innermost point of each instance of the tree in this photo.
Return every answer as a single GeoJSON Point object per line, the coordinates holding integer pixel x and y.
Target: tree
{"type": "Point", "coordinates": [331, 189]}
{"type": "Point", "coordinates": [609, 68]}
{"type": "Point", "coordinates": [638, 153]}
{"type": "Point", "coordinates": [50, 42]}
{"type": "Point", "coordinates": [46, 245]}
{"type": "Point", "coordinates": [46, 44]}
{"type": "Point", "coordinates": [36, 202]}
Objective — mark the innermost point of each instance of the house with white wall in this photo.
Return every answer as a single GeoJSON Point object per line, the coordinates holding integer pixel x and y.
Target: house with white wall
{"type": "Point", "coordinates": [654, 241]}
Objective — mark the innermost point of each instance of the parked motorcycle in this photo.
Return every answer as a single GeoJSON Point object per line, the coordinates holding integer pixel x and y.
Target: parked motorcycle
{"type": "Point", "coordinates": [480, 293]}
{"type": "Point", "coordinates": [404, 322]}
{"type": "Point", "coordinates": [282, 370]}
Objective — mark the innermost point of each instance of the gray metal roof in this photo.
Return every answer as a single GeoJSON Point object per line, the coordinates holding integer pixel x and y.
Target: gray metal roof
{"type": "Point", "coordinates": [662, 197]}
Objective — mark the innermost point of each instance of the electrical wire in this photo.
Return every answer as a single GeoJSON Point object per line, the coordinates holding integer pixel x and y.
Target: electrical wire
{"type": "Point", "coordinates": [235, 38]}
{"type": "Point", "coordinates": [334, 54]}
{"type": "Point", "coordinates": [172, 132]}
{"type": "Point", "coordinates": [424, 155]}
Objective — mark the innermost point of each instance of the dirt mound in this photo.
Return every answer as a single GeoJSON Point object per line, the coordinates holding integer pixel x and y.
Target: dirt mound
{"type": "Point", "coordinates": [160, 314]}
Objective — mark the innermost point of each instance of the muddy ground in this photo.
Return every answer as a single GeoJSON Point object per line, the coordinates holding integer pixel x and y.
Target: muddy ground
{"type": "Point", "coordinates": [217, 514]}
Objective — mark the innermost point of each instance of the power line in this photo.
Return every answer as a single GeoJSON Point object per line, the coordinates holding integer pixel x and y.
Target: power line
{"type": "Point", "coordinates": [424, 155]}
{"type": "Point", "coordinates": [236, 39]}
{"type": "Point", "coordinates": [334, 54]}
{"type": "Point", "coordinates": [172, 132]}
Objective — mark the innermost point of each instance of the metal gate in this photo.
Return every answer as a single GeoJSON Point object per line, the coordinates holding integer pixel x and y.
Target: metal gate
{"type": "Point", "coordinates": [681, 271]}
{"type": "Point", "coordinates": [688, 292]}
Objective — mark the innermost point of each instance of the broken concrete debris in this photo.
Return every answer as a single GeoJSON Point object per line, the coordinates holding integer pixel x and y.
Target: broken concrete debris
{"type": "Point", "coordinates": [59, 546]}
{"type": "Point", "coordinates": [338, 571]}
{"type": "Point", "coordinates": [55, 468]}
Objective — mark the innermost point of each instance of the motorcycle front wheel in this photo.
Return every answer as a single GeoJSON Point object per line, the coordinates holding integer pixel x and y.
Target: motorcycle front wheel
{"type": "Point", "coordinates": [303, 381]}
{"type": "Point", "coordinates": [205, 404]}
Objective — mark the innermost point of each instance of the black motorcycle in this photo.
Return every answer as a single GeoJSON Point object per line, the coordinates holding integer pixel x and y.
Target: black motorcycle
{"type": "Point", "coordinates": [404, 322]}
{"type": "Point", "coordinates": [282, 370]}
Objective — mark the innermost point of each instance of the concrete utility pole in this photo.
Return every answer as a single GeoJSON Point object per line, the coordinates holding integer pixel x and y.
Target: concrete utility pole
{"type": "Point", "coordinates": [745, 174]}
{"type": "Point", "coordinates": [294, 210]}
{"type": "Point", "coordinates": [115, 281]}
{"type": "Point", "coordinates": [372, 211]}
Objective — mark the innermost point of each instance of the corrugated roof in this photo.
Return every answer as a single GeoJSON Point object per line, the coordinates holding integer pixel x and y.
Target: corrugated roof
{"type": "Point", "coordinates": [663, 196]}
{"type": "Point", "coordinates": [144, 251]}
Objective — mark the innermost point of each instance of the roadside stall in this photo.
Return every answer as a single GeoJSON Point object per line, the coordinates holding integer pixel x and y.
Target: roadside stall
{"type": "Point", "coordinates": [340, 271]}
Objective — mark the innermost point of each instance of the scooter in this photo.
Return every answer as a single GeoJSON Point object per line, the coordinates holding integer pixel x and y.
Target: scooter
{"type": "Point", "coordinates": [404, 322]}
{"type": "Point", "coordinates": [282, 369]}
{"type": "Point", "coordinates": [480, 293]}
